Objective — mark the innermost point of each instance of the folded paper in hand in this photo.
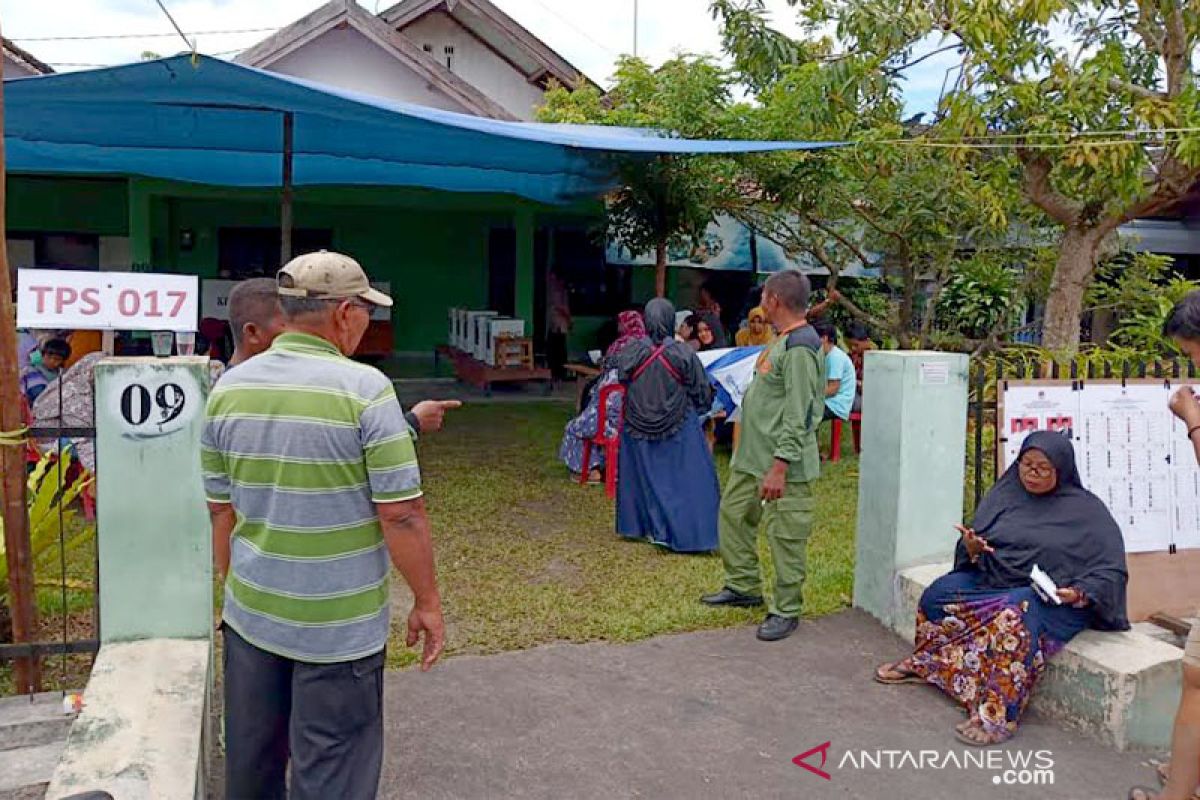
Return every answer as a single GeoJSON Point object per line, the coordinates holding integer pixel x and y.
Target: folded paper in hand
{"type": "Point", "coordinates": [1044, 585]}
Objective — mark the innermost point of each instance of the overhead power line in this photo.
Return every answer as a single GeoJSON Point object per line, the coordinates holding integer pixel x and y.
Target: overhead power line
{"type": "Point", "coordinates": [103, 36]}
{"type": "Point", "coordinates": [191, 43]}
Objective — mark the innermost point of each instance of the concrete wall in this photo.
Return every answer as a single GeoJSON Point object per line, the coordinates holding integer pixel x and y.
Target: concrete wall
{"type": "Point", "coordinates": [477, 64]}
{"type": "Point", "coordinates": [144, 731]}
{"type": "Point", "coordinates": [347, 59]}
{"type": "Point", "coordinates": [1173, 237]}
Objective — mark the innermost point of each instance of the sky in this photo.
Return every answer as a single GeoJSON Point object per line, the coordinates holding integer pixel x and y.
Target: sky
{"type": "Point", "coordinates": [590, 34]}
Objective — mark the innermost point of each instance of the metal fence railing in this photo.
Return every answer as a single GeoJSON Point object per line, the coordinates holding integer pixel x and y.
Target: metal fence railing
{"type": "Point", "coordinates": [69, 495]}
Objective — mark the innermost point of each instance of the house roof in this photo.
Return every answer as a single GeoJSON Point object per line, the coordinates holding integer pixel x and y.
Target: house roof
{"type": "Point", "coordinates": [496, 30]}
{"type": "Point", "coordinates": [347, 12]}
{"type": "Point", "coordinates": [213, 122]}
{"type": "Point", "coordinates": [24, 57]}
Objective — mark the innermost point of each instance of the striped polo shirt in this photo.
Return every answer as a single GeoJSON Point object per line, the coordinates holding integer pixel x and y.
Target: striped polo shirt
{"type": "Point", "coordinates": [303, 442]}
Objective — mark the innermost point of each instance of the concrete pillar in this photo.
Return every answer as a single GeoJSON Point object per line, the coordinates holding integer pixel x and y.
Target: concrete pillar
{"type": "Point", "coordinates": [523, 285]}
{"type": "Point", "coordinates": [154, 537]}
{"type": "Point", "coordinates": [910, 489]}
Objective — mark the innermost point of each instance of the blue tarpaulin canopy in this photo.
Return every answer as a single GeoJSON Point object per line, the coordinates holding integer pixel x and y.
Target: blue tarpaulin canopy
{"type": "Point", "coordinates": [209, 121]}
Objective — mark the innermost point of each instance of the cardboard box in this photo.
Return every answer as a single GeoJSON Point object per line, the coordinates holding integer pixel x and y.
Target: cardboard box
{"type": "Point", "coordinates": [501, 328]}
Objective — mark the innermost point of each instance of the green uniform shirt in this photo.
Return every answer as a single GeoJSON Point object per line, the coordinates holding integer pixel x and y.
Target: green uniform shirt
{"type": "Point", "coordinates": [783, 408]}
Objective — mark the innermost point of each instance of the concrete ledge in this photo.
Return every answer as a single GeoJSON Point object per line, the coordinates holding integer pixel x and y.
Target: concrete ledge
{"type": "Point", "coordinates": [1121, 687]}
{"type": "Point", "coordinates": [142, 730]}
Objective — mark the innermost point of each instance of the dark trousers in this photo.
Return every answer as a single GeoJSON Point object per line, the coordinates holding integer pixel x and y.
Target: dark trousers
{"type": "Point", "coordinates": [328, 718]}
{"type": "Point", "coordinates": [556, 354]}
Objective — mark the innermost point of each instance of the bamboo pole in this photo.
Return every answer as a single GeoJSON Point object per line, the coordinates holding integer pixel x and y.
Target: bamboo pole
{"type": "Point", "coordinates": [27, 673]}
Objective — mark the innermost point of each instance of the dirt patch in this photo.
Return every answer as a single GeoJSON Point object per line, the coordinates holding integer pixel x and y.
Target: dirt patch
{"type": "Point", "coordinates": [541, 519]}
{"type": "Point", "coordinates": [559, 571]}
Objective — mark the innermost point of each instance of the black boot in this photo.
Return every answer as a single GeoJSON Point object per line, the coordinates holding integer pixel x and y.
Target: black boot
{"type": "Point", "coordinates": [728, 597]}
{"type": "Point", "coordinates": [775, 627]}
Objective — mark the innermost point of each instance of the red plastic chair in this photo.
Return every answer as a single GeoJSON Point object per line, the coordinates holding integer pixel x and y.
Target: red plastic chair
{"type": "Point", "coordinates": [835, 435]}
{"type": "Point", "coordinates": [601, 439]}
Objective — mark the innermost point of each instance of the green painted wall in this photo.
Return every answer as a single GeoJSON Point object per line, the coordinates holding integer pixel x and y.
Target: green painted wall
{"type": "Point", "coordinates": [432, 246]}
{"type": "Point", "coordinates": [68, 205]}
{"type": "Point", "coordinates": [433, 259]}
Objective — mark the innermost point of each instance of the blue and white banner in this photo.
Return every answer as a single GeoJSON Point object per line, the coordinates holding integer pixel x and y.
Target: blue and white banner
{"type": "Point", "coordinates": [730, 369]}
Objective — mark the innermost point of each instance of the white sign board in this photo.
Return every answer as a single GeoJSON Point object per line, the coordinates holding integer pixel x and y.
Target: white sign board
{"type": "Point", "coordinates": [107, 301]}
{"type": "Point", "coordinates": [214, 300]}
{"type": "Point", "coordinates": [1131, 452]}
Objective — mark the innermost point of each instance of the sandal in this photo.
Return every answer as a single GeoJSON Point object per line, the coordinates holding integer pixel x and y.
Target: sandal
{"type": "Point", "coordinates": [900, 675]}
{"type": "Point", "coordinates": [976, 736]}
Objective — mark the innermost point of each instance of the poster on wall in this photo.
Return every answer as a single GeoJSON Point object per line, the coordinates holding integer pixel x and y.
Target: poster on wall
{"type": "Point", "coordinates": [726, 245]}
{"type": "Point", "coordinates": [1035, 408]}
{"type": "Point", "coordinates": [1129, 450]}
{"type": "Point", "coordinates": [214, 300]}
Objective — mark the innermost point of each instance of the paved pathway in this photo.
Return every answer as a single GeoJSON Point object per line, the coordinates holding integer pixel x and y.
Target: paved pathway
{"type": "Point", "coordinates": [704, 715]}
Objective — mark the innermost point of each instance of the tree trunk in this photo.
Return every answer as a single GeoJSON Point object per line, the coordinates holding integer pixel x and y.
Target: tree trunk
{"type": "Point", "coordinates": [660, 268]}
{"type": "Point", "coordinates": [1077, 256]}
{"type": "Point", "coordinates": [26, 673]}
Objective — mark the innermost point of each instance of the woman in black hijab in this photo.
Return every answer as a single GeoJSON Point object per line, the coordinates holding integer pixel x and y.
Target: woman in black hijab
{"type": "Point", "coordinates": [667, 488]}
{"type": "Point", "coordinates": [983, 632]}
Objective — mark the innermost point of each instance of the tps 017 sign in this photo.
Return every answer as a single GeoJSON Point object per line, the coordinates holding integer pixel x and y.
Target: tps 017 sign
{"type": "Point", "coordinates": [116, 301]}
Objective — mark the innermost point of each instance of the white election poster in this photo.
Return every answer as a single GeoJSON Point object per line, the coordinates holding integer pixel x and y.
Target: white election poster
{"type": "Point", "coordinates": [1123, 448]}
{"type": "Point", "coordinates": [1129, 449]}
{"type": "Point", "coordinates": [115, 301]}
{"type": "Point", "coordinates": [1035, 408]}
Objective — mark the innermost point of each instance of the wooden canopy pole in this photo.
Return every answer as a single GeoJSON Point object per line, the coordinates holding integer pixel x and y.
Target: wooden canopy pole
{"type": "Point", "coordinates": [27, 673]}
{"type": "Point", "coordinates": [285, 205]}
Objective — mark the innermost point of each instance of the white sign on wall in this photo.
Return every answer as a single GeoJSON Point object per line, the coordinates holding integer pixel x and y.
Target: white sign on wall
{"type": "Point", "coordinates": [1131, 452]}
{"type": "Point", "coordinates": [116, 301]}
{"type": "Point", "coordinates": [214, 302]}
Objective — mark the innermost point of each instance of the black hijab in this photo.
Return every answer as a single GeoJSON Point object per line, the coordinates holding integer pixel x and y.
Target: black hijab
{"type": "Point", "coordinates": [1069, 533]}
{"type": "Point", "coordinates": [657, 403]}
{"type": "Point", "coordinates": [717, 328]}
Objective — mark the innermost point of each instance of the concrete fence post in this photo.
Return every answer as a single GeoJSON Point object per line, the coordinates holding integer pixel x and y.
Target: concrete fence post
{"type": "Point", "coordinates": [910, 491]}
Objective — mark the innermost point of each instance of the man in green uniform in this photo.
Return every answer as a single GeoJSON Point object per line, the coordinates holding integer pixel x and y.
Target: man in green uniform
{"type": "Point", "coordinates": [776, 463]}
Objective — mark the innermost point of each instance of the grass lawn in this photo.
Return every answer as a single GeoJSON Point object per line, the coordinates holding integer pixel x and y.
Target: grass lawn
{"type": "Point", "coordinates": [527, 557]}
{"type": "Point", "coordinates": [72, 672]}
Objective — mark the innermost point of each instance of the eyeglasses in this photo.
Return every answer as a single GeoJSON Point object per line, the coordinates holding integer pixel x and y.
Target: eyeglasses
{"type": "Point", "coordinates": [1036, 469]}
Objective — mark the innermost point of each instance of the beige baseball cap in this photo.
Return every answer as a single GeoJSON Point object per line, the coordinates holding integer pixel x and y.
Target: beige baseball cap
{"type": "Point", "coordinates": [329, 276]}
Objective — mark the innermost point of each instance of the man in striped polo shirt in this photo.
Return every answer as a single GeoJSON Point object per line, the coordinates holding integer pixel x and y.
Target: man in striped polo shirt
{"type": "Point", "coordinates": [313, 483]}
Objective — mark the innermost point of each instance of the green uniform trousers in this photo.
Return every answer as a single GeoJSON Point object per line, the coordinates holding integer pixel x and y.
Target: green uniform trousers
{"type": "Point", "coordinates": [789, 523]}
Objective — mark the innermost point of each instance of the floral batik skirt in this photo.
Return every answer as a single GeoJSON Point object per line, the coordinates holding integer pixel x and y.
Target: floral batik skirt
{"type": "Point", "coordinates": [987, 647]}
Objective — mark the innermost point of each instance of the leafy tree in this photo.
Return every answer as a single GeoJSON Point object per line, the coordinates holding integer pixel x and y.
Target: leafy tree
{"type": "Point", "coordinates": [1095, 102]}
{"type": "Point", "coordinates": [888, 200]}
{"type": "Point", "coordinates": [980, 298]}
{"type": "Point", "coordinates": [664, 202]}
{"type": "Point", "coordinates": [1142, 289]}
